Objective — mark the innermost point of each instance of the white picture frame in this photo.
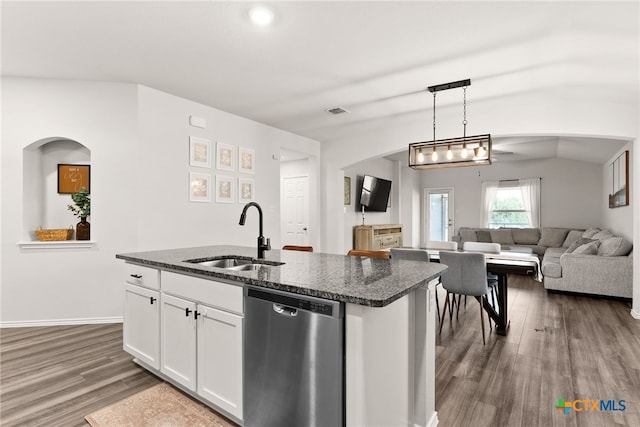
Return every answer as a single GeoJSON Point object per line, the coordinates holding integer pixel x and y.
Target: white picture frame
{"type": "Point", "coordinates": [199, 152]}
{"type": "Point", "coordinates": [225, 189]}
{"type": "Point", "coordinates": [225, 156]}
{"type": "Point", "coordinates": [246, 190]}
{"type": "Point", "coordinates": [246, 160]}
{"type": "Point", "coordinates": [199, 187]}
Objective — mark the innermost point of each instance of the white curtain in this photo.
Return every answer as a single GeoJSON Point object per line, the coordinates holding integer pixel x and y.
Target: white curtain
{"type": "Point", "coordinates": [489, 190]}
{"type": "Point", "coordinates": [531, 197]}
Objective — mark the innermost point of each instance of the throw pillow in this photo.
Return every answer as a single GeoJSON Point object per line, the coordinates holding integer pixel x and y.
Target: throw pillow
{"type": "Point", "coordinates": [572, 237]}
{"type": "Point", "coordinates": [590, 232]}
{"type": "Point", "coordinates": [575, 245]}
{"type": "Point", "coordinates": [588, 248]}
{"type": "Point", "coordinates": [526, 236]}
{"type": "Point", "coordinates": [483, 236]}
{"type": "Point", "coordinates": [614, 246]}
{"type": "Point", "coordinates": [503, 237]}
{"type": "Point", "coordinates": [601, 235]}
{"type": "Point", "coordinates": [467, 234]}
{"type": "Point", "coordinates": [552, 237]}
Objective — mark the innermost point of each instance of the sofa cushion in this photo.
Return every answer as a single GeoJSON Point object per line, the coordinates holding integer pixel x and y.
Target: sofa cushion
{"type": "Point", "coordinates": [552, 237]}
{"type": "Point", "coordinates": [614, 246]}
{"type": "Point", "coordinates": [588, 248]}
{"type": "Point", "coordinates": [572, 237]}
{"type": "Point", "coordinates": [467, 234]}
{"type": "Point", "coordinates": [526, 236]}
{"type": "Point", "coordinates": [502, 236]}
{"type": "Point", "coordinates": [590, 232]}
{"type": "Point", "coordinates": [581, 241]}
{"type": "Point", "coordinates": [551, 266]}
{"type": "Point", "coordinates": [483, 236]}
{"type": "Point", "coordinates": [601, 235]}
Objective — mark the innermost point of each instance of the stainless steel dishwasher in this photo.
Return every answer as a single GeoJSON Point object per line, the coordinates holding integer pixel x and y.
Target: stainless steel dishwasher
{"type": "Point", "coordinates": [293, 360]}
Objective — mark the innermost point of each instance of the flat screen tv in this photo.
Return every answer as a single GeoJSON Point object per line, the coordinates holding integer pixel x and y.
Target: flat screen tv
{"type": "Point", "coordinates": [374, 194]}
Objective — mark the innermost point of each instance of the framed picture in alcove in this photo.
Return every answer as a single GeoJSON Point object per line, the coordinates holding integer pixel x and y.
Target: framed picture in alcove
{"type": "Point", "coordinates": [619, 173]}
{"type": "Point", "coordinates": [72, 178]}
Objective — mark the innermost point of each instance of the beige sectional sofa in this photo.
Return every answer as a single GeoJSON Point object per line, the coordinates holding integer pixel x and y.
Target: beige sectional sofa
{"type": "Point", "coordinates": [589, 261]}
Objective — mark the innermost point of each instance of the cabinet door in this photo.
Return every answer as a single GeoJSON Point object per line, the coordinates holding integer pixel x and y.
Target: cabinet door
{"type": "Point", "coordinates": [141, 326]}
{"type": "Point", "coordinates": [179, 340]}
{"type": "Point", "coordinates": [220, 359]}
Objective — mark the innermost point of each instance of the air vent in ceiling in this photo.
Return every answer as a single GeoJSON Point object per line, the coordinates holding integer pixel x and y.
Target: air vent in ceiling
{"type": "Point", "coordinates": [337, 110]}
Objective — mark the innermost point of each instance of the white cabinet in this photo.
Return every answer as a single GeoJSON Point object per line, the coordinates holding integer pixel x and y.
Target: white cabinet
{"type": "Point", "coordinates": [179, 340]}
{"type": "Point", "coordinates": [202, 338]}
{"type": "Point", "coordinates": [220, 358]}
{"type": "Point", "coordinates": [141, 326]}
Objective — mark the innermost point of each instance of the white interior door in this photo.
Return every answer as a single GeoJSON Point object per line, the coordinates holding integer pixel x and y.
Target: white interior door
{"type": "Point", "coordinates": [438, 203]}
{"type": "Point", "coordinates": [296, 211]}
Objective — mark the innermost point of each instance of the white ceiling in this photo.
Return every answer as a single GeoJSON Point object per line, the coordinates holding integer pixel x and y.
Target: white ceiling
{"type": "Point", "coordinates": [373, 58]}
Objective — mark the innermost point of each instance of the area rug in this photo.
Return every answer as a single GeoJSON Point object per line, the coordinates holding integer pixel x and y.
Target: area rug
{"type": "Point", "coordinates": [158, 406]}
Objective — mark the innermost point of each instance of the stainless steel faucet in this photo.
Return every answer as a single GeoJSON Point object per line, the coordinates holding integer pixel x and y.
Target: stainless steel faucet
{"type": "Point", "coordinates": [264, 244]}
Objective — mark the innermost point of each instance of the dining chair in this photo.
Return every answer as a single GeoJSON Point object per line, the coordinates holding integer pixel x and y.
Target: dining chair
{"type": "Point", "coordinates": [444, 246]}
{"type": "Point", "coordinates": [489, 248]}
{"type": "Point", "coordinates": [370, 254]}
{"type": "Point", "coordinates": [415, 255]}
{"type": "Point", "coordinates": [297, 248]}
{"type": "Point", "coordinates": [466, 274]}
{"type": "Point", "coordinates": [441, 245]}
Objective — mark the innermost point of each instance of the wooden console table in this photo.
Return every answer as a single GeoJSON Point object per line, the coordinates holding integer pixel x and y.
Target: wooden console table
{"type": "Point", "coordinates": [377, 237]}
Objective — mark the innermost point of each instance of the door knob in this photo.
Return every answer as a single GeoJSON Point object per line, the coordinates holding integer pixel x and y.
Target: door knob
{"type": "Point", "coordinates": [304, 229]}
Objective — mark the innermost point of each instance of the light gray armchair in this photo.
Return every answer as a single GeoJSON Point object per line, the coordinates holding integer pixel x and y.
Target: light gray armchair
{"type": "Point", "coordinates": [466, 275]}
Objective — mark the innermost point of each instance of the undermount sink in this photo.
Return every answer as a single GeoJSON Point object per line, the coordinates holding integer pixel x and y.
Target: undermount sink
{"type": "Point", "coordinates": [235, 263]}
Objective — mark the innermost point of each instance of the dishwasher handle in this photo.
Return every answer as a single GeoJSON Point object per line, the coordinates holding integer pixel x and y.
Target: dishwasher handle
{"type": "Point", "coordinates": [284, 310]}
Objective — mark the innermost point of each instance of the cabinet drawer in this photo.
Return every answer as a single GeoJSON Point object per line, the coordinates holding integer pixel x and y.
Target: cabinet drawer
{"type": "Point", "coordinates": [142, 276]}
{"type": "Point", "coordinates": [389, 241]}
{"type": "Point", "coordinates": [215, 294]}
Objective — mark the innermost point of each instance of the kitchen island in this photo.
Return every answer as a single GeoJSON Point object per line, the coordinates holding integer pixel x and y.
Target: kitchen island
{"type": "Point", "coordinates": [389, 323]}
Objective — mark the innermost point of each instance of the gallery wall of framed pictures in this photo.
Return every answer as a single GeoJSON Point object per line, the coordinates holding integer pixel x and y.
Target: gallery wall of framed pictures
{"type": "Point", "coordinates": [221, 168]}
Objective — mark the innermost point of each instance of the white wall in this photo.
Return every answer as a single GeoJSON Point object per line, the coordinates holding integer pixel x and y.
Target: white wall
{"type": "Point", "coordinates": [167, 219]}
{"type": "Point", "coordinates": [139, 143]}
{"type": "Point", "coordinates": [68, 285]}
{"type": "Point", "coordinates": [617, 220]}
{"type": "Point", "coordinates": [380, 168]}
{"type": "Point", "coordinates": [569, 190]}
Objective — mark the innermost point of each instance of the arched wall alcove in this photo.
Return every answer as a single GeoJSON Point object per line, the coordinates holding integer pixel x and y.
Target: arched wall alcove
{"type": "Point", "coordinates": [43, 206]}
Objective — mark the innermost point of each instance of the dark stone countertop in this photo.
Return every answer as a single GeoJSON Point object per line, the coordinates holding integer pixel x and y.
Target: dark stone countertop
{"type": "Point", "coordinates": [364, 281]}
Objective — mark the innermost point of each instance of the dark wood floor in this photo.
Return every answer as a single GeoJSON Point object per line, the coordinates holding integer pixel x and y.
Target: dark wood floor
{"type": "Point", "coordinates": [558, 346]}
{"type": "Point", "coordinates": [54, 376]}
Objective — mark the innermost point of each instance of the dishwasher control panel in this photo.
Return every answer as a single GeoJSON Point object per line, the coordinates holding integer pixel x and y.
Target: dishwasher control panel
{"type": "Point", "coordinates": [303, 303]}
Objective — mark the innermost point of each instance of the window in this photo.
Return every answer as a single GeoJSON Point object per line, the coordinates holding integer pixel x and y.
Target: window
{"type": "Point", "coordinates": [508, 208]}
{"type": "Point", "coordinates": [513, 203]}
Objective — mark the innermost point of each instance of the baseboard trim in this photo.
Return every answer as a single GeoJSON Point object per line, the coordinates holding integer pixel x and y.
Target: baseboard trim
{"type": "Point", "coordinates": [635, 314]}
{"type": "Point", "coordinates": [59, 322]}
{"type": "Point", "coordinates": [433, 422]}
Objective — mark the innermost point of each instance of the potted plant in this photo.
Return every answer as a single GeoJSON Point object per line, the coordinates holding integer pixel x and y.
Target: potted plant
{"type": "Point", "coordinates": [82, 209]}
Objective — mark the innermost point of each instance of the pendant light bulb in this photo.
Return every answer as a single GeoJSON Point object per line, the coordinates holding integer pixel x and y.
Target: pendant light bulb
{"type": "Point", "coordinates": [434, 155]}
{"type": "Point", "coordinates": [482, 152]}
{"type": "Point", "coordinates": [449, 153]}
{"type": "Point", "coordinates": [420, 156]}
{"type": "Point", "coordinates": [465, 152]}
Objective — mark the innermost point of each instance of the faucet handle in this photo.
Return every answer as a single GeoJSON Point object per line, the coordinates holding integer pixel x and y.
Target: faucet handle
{"type": "Point", "coordinates": [268, 247]}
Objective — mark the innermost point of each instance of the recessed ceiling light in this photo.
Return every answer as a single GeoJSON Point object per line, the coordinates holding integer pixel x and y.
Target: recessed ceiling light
{"type": "Point", "coordinates": [261, 16]}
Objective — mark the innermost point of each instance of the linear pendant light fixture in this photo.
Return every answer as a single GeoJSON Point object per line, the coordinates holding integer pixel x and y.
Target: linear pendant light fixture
{"type": "Point", "coordinates": [453, 152]}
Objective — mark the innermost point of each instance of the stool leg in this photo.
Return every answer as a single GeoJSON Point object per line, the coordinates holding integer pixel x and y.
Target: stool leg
{"type": "Point", "coordinates": [444, 311]}
{"type": "Point", "coordinates": [481, 319]}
